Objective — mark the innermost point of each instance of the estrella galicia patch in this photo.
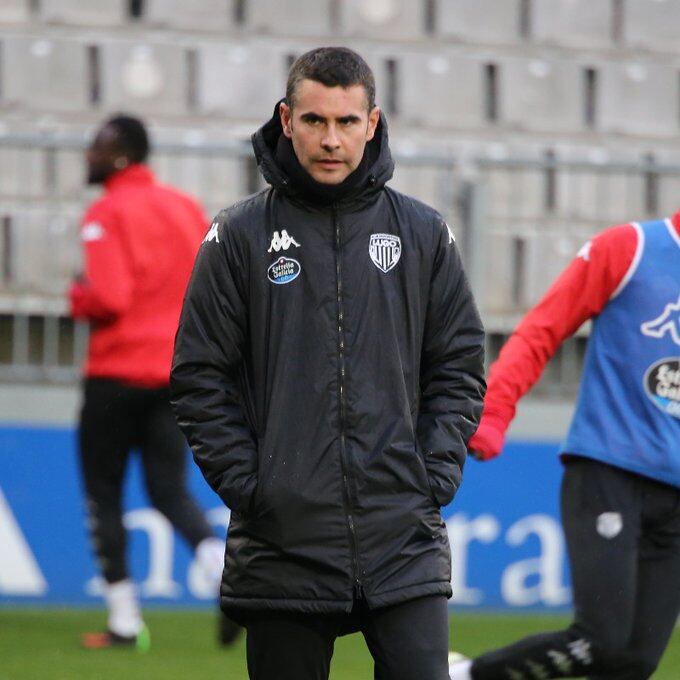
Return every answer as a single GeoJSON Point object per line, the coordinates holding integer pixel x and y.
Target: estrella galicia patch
{"type": "Point", "coordinates": [385, 251]}
{"type": "Point", "coordinates": [662, 384]}
{"type": "Point", "coordinates": [284, 270]}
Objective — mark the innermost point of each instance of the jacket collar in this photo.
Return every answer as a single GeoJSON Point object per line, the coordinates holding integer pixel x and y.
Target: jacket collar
{"type": "Point", "coordinates": [134, 174]}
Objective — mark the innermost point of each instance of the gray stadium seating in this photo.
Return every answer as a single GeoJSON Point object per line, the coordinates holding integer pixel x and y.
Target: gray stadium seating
{"type": "Point", "coordinates": [144, 77]}
{"type": "Point", "coordinates": [289, 17]}
{"type": "Point", "coordinates": [44, 73]}
{"type": "Point", "coordinates": [639, 98]}
{"type": "Point", "coordinates": [441, 90]}
{"type": "Point", "coordinates": [46, 251]}
{"type": "Point", "coordinates": [398, 19]}
{"type": "Point", "coordinates": [23, 172]}
{"type": "Point", "coordinates": [480, 21]}
{"type": "Point", "coordinates": [90, 13]}
{"type": "Point", "coordinates": [572, 23]}
{"type": "Point", "coordinates": [541, 95]}
{"type": "Point", "coordinates": [241, 80]}
{"type": "Point", "coordinates": [205, 15]}
{"type": "Point", "coordinates": [14, 11]}
{"type": "Point", "coordinates": [652, 24]}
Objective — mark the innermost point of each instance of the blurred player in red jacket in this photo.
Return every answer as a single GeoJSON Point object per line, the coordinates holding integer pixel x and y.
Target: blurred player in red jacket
{"type": "Point", "coordinates": [140, 240]}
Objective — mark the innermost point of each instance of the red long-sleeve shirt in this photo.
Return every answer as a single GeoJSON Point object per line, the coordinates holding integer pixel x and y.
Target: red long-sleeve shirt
{"type": "Point", "coordinates": [581, 292]}
{"type": "Point", "coordinates": [139, 240]}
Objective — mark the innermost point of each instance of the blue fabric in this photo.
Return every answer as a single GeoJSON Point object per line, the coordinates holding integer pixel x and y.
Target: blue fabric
{"type": "Point", "coordinates": [628, 410]}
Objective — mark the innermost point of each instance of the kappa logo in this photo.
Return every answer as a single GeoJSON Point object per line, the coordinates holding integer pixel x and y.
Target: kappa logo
{"type": "Point", "coordinates": [385, 251]}
{"type": "Point", "coordinates": [667, 322]}
{"type": "Point", "coordinates": [212, 234]}
{"type": "Point", "coordinates": [282, 242]}
{"type": "Point", "coordinates": [584, 252]}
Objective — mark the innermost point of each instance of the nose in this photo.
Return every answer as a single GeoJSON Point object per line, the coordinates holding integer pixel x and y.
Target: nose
{"type": "Point", "coordinates": [330, 140]}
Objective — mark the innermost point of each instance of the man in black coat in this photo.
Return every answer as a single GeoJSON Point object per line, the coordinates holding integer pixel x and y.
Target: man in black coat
{"type": "Point", "coordinates": [328, 373]}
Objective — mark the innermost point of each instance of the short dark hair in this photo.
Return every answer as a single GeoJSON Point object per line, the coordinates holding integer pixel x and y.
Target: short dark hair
{"type": "Point", "coordinates": [332, 67]}
{"type": "Point", "coordinates": [132, 137]}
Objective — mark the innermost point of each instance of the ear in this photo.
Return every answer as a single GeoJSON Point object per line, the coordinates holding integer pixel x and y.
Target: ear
{"type": "Point", "coordinates": [286, 119]}
{"type": "Point", "coordinates": [373, 118]}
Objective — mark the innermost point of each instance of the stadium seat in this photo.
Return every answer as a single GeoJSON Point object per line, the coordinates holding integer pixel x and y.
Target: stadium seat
{"type": "Point", "coordinates": [441, 90]}
{"type": "Point", "coordinates": [204, 15]}
{"type": "Point", "coordinates": [597, 195]}
{"type": "Point", "coordinates": [652, 25]}
{"type": "Point", "coordinates": [242, 81]}
{"type": "Point", "coordinates": [108, 13]}
{"type": "Point", "coordinates": [144, 77]}
{"type": "Point", "coordinates": [289, 17]}
{"type": "Point", "coordinates": [639, 98]}
{"type": "Point", "coordinates": [26, 179]}
{"type": "Point", "coordinates": [398, 19]}
{"type": "Point", "coordinates": [420, 181]}
{"type": "Point", "coordinates": [215, 181]}
{"type": "Point", "coordinates": [44, 73]}
{"type": "Point", "coordinates": [45, 251]}
{"type": "Point", "coordinates": [541, 95]}
{"type": "Point", "coordinates": [480, 21]}
{"type": "Point", "coordinates": [14, 12]}
{"type": "Point", "coordinates": [70, 173]}
{"type": "Point", "coordinates": [572, 23]}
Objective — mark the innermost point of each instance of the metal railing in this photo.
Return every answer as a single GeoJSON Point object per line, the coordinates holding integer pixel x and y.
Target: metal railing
{"type": "Point", "coordinates": [518, 221]}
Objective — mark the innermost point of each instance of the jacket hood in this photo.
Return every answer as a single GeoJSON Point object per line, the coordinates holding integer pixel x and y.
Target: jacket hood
{"type": "Point", "coordinates": [379, 172]}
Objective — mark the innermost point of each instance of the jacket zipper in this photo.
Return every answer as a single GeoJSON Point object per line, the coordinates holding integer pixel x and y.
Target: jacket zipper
{"type": "Point", "coordinates": [347, 494]}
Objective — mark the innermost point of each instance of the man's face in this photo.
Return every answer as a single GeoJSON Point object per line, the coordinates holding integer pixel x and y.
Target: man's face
{"type": "Point", "coordinates": [329, 128]}
{"type": "Point", "coordinates": [104, 156]}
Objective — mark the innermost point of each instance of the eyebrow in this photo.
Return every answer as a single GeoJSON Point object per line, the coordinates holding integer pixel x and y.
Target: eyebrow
{"type": "Point", "coordinates": [312, 117]}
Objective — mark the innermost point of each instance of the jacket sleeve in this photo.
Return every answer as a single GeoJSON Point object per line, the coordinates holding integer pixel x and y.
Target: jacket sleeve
{"type": "Point", "coordinates": [207, 369]}
{"type": "Point", "coordinates": [452, 370]}
{"type": "Point", "coordinates": [106, 289]}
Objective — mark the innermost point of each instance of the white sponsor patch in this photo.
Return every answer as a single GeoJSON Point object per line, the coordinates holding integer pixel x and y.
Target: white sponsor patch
{"type": "Point", "coordinates": [385, 251]}
{"type": "Point", "coordinates": [92, 231]}
{"type": "Point", "coordinates": [609, 524]}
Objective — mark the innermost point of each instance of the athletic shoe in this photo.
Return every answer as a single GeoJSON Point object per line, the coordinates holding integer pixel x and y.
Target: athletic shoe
{"type": "Point", "coordinates": [459, 666]}
{"type": "Point", "coordinates": [228, 631]}
{"type": "Point", "coordinates": [109, 640]}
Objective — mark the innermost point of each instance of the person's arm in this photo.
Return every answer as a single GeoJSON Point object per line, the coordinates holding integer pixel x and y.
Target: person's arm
{"type": "Point", "coordinates": [207, 369]}
{"type": "Point", "coordinates": [452, 370]}
{"type": "Point", "coordinates": [579, 293]}
{"type": "Point", "coordinates": [105, 289]}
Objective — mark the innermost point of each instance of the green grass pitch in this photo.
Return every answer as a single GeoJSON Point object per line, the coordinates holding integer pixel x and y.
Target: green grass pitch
{"type": "Point", "coordinates": [37, 644]}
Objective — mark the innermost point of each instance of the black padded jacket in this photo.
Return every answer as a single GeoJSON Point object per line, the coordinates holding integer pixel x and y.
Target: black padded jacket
{"type": "Point", "coordinates": [328, 373]}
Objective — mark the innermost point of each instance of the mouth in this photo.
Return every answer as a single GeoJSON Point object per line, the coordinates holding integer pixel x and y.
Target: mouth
{"type": "Point", "coordinates": [329, 163]}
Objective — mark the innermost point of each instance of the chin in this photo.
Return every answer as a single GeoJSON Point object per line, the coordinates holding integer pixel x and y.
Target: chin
{"type": "Point", "coordinates": [329, 178]}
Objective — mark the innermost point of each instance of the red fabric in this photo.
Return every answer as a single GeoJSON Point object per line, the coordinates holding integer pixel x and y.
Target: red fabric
{"type": "Point", "coordinates": [139, 240]}
{"type": "Point", "coordinates": [579, 293]}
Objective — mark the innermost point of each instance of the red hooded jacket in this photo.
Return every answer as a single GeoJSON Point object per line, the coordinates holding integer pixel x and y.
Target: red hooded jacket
{"type": "Point", "coordinates": [140, 240]}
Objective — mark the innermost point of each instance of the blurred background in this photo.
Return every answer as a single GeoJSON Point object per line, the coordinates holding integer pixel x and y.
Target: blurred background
{"type": "Point", "coordinates": [529, 124]}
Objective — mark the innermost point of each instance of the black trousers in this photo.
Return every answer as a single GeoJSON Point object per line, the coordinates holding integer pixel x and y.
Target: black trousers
{"type": "Point", "coordinates": [408, 641]}
{"type": "Point", "coordinates": [115, 419]}
{"type": "Point", "coordinates": [623, 537]}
